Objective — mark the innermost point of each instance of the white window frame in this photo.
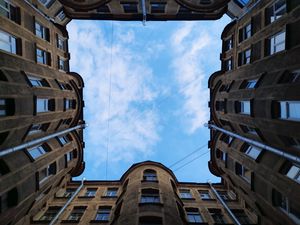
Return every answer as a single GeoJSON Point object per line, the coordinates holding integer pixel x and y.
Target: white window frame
{"type": "Point", "coordinates": [275, 45]}
{"type": "Point", "coordinates": [276, 12]}
{"type": "Point", "coordinates": [43, 102]}
{"type": "Point", "coordinates": [8, 45]}
{"type": "Point", "coordinates": [285, 110]}
{"type": "Point", "coordinates": [253, 152]}
{"type": "Point", "coordinates": [40, 30]}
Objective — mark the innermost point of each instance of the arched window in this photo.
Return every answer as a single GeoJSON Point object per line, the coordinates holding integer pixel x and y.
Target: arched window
{"type": "Point", "coordinates": [150, 175]}
{"type": "Point", "coordinates": [150, 196]}
{"type": "Point", "coordinates": [150, 220]}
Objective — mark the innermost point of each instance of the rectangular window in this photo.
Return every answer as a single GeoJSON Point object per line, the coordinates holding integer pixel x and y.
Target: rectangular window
{"type": "Point", "coordinates": [253, 151]}
{"type": "Point", "coordinates": [38, 128]}
{"type": "Point", "coordinates": [8, 42]}
{"type": "Point", "coordinates": [48, 171]}
{"type": "Point", "coordinates": [157, 7]}
{"type": "Point", "coordinates": [6, 107]}
{"type": "Point", "coordinates": [228, 64]}
{"type": "Point", "coordinates": [42, 56]}
{"type": "Point", "coordinates": [185, 194]}
{"type": "Point", "coordinates": [242, 171]}
{"type": "Point", "coordinates": [130, 7]}
{"type": "Point", "coordinates": [150, 196]}
{"type": "Point", "coordinates": [62, 64]}
{"type": "Point", "coordinates": [193, 215]}
{"type": "Point", "coordinates": [224, 195]}
{"type": "Point", "coordinates": [76, 213]}
{"type": "Point", "coordinates": [69, 192]}
{"type": "Point", "coordinates": [250, 84]}
{"type": "Point", "coordinates": [111, 192]}
{"type": "Point", "coordinates": [103, 213]}
{"type": "Point", "coordinates": [276, 43]}
{"type": "Point", "coordinates": [294, 172]}
{"type": "Point", "coordinates": [41, 31]}
{"type": "Point", "coordinates": [38, 82]}
{"type": "Point", "coordinates": [290, 77]}
{"type": "Point", "coordinates": [46, 3]}
{"type": "Point", "coordinates": [37, 151]}
{"type": "Point", "coordinates": [290, 110]}
{"type": "Point", "coordinates": [241, 216]}
{"type": "Point", "coordinates": [90, 192]}
{"type": "Point", "coordinates": [245, 57]}
{"type": "Point", "coordinates": [245, 32]}
{"type": "Point", "coordinates": [69, 156]}
{"type": "Point", "coordinates": [204, 195]}
{"type": "Point", "coordinates": [61, 43]}
{"type": "Point", "coordinates": [63, 140]}
{"type": "Point", "coordinates": [275, 11]}
{"type": "Point", "coordinates": [103, 9]}
{"type": "Point", "coordinates": [8, 10]}
{"type": "Point", "coordinates": [217, 216]}
{"type": "Point", "coordinates": [61, 15]}
{"type": "Point", "coordinates": [49, 214]}
{"type": "Point", "coordinates": [248, 130]}
{"type": "Point", "coordinates": [228, 44]}
{"type": "Point", "coordinates": [244, 107]}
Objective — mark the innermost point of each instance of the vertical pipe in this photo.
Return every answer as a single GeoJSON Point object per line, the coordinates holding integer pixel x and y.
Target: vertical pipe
{"type": "Point", "coordinates": [144, 12]}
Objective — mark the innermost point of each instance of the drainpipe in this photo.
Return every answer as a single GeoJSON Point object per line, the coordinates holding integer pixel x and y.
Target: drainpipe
{"type": "Point", "coordinates": [256, 143]}
{"type": "Point", "coordinates": [235, 220]}
{"type": "Point", "coordinates": [53, 221]}
{"type": "Point", "coordinates": [144, 12]}
{"type": "Point", "coordinates": [39, 140]}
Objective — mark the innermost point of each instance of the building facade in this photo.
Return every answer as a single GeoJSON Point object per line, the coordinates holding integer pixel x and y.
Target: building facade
{"type": "Point", "coordinates": [147, 193]}
{"type": "Point", "coordinates": [255, 110]}
{"type": "Point", "coordinates": [39, 97]}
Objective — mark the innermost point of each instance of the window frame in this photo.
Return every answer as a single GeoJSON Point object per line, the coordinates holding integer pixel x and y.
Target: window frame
{"type": "Point", "coordinates": [272, 44]}
{"type": "Point", "coordinates": [285, 110]}
{"type": "Point", "coordinates": [11, 44]}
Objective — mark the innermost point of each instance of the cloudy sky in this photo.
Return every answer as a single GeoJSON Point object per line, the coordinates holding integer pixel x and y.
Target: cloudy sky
{"type": "Point", "coordinates": [146, 93]}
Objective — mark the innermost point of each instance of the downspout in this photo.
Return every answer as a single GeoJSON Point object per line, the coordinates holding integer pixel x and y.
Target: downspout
{"type": "Point", "coordinates": [235, 220]}
{"type": "Point", "coordinates": [257, 144]}
{"type": "Point", "coordinates": [39, 140]}
{"type": "Point", "coordinates": [144, 12]}
{"type": "Point", "coordinates": [53, 221]}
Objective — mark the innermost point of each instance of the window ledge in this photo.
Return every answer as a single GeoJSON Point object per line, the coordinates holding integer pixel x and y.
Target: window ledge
{"type": "Point", "coordinates": [86, 197]}
{"type": "Point", "coordinates": [191, 199]}
{"type": "Point", "coordinates": [70, 221]}
{"type": "Point", "coordinates": [149, 181]}
{"type": "Point", "coordinates": [99, 221]}
{"type": "Point", "coordinates": [203, 223]}
{"type": "Point", "coordinates": [109, 197]}
{"type": "Point", "coordinates": [209, 199]}
{"type": "Point", "coordinates": [40, 221]}
{"type": "Point", "coordinates": [151, 203]}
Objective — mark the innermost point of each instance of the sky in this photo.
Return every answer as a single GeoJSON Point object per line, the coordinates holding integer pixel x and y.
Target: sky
{"type": "Point", "coordinates": [146, 95]}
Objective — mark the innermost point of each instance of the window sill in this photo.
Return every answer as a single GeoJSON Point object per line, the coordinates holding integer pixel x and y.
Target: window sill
{"type": "Point", "coordinates": [151, 203]}
{"type": "Point", "coordinates": [209, 200]}
{"type": "Point", "coordinates": [88, 197]}
{"type": "Point", "coordinates": [99, 221]}
{"type": "Point", "coordinates": [149, 181]}
{"type": "Point", "coordinates": [40, 221]}
{"type": "Point", "coordinates": [109, 197]}
{"type": "Point", "coordinates": [188, 199]}
{"type": "Point", "coordinates": [70, 221]}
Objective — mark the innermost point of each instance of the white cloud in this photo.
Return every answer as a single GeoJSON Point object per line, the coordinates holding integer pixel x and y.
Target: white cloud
{"type": "Point", "coordinates": [133, 129]}
{"type": "Point", "coordinates": [190, 44]}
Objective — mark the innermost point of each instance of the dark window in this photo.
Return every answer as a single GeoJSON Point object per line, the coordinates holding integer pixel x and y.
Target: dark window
{"type": "Point", "coordinates": [41, 31]}
{"type": "Point", "coordinates": [241, 216]}
{"type": "Point", "coordinates": [228, 44]}
{"type": "Point", "coordinates": [183, 10]}
{"type": "Point", "coordinates": [221, 155]}
{"type": "Point", "coordinates": [61, 15]}
{"type": "Point", "coordinates": [276, 43]}
{"type": "Point", "coordinates": [224, 195]}
{"type": "Point", "coordinates": [292, 171]}
{"type": "Point", "coordinates": [204, 195]}
{"type": "Point", "coordinates": [290, 77]}
{"type": "Point", "coordinates": [12, 198]}
{"type": "Point", "coordinates": [103, 213]}
{"type": "Point", "coordinates": [150, 196]}
{"type": "Point", "coordinates": [3, 136]}
{"type": "Point", "coordinates": [111, 192]}
{"type": "Point", "coordinates": [90, 192]}
{"type": "Point", "coordinates": [275, 11]}
{"type": "Point", "coordinates": [217, 216]}
{"type": "Point", "coordinates": [63, 140]}
{"type": "Point", "coordinates": [243, 172]}
{"type": "Point", "coordinates": [103, 9]}
{"type": "Point", "coordinates": [150, 175]}
{"type": "Point", "coordinates": [2, 76]}
{"type": "Point", "coordinates": [76, 213]}
{"type": "Point", "coordinates": [243, 107]}
{"type": "Point", "coordinates": [49, 214]}
{"type": "Point", "coordinates": [244, 57]}
{"type": "Point", "coordinates": [157, 7]}
{"type": "Point", "coordinates": [226, 139]}
{"type": "Point", "coordinates": [150, 220]}
{"type": "Point", "coordinates": [69, 192]}
{"type": "Point", "coordinates": [130, 7]}
{"type": "Point", "coordinates": [46, 3]}
{"type": "Point", "coordinates": [44, 105]}
{"type": "Point", "coordinates": [38, 128]}
{"type": "Point", "coordinates": [228, 64]}
{"type": "Point", "coordinates": [193, 215]}
{"type": "Point", "coordinates": [69, 104]}
{"type": "Point", "coordinates": [245, 32]}
{"type": "Point", "coordinates": [9, 11]}
{"type": "Point", "coordinates": [7, 107]}
{"type": "Point", "coordinates": [221, 106]}
{"type": "Point", "coordinates": [4, 169]}
{"type": "Point", "coordinates": [45, 173]}
{"type": "Point", "coordinates": [37, 81]}
{"type": "Point", "coordinates": [185, 194]}
{"type": "Point", "coordinates": [43, 57]}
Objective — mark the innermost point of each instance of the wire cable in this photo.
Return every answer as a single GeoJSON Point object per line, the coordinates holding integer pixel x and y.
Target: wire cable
{"type": "Point", "coordinates": [109, 99]}
{"type": "Point", "coordinates": [180, 160]}
{"type": "Point", "coordinates": [191, 161]}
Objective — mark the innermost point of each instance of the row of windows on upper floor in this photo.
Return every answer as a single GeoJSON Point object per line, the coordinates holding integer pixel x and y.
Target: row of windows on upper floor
{"type": "Point", "coordinates": [12, 44]}
{"type": "Point", "coordinates": [273, 12]}
{"type": "Point", "coordinates": [12, 11]}
{"type": "Point", "coordinates": [104, 214]}
{"type": "Point", "coordinates": [284, 110]}
{"type": "Point", "coordinates": [273, 44]}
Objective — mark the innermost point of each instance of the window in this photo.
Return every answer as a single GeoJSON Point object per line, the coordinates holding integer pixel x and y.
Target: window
{"type": "Point", "coordinates": [46, 3]}
{"type": "Point", "coordinates": [248, 84]}
{"type": "Point", "coordinates": [248, 130]}
{"type": "Point", "coordinates": [228, 64]}
{"type": "Point", "coordinates": [243, 172]}
{"type": "Point", "coordinates": [224, 195]}
{"type": "Point", "coordinates": [217, 216]}
{"type": "Point", "coordinates": [245, 57]}
{"type": "Point", "coordinates": [8, 10]}
{"type": "Point", "coordinates": [38, 82]}
{"type": "Point", "coordinates": [38, 151]}
{"type": "Point", "coordinates": [69, 104]}
{"type": "Point", "coordinates": [193, 215]}
{"type": "Point", "coordinates": [42, 56]}
{"type": "Point", "coordinates": [252, 151]}
{"type": "Point", "coordinates": [69, 192]}
{"type": "Point", "coordinates": [290, 77]}
{"type": "Point", "coordinates": [185, 194]}
{"type": "Point", "coordinates": [41, 31]}
{"type": "Point", "coordinates": [4, 169]}
{"type": "Point", "coordinates": [204, 195]}
{"type": "Point", "coordinates": [276, 43]}
{"type": "Point", "coordinates": [103, 213]}
{"type": "Point", "coordinates": [294, 172]}
{"type": "Point", "coordinates": [226, 139]}
{"type": "Point", "coordinates": [61, 15]}
{"type": "Point", "coordinates": [76, 213]}
{"type": "Point", "coordinates": [243, 107]}
{"type": "Point", "coordinates": [103, 9]}
{"type": "Point", "coordinates": [63, 140]}
{"type": "Point", "coordinates": [241, 216]}
{"type": "Point", "coordinates": [150, 175]}
{"type": "Point", "coordinates": [8, 42]}
{"type": "Point", "coordinates": [111, 192]}
{"type": "Point", "coordinates": [289, 110]}
{"type": "Point", "coordinates": [70, 155]}
{"type": "Point", "coordinates": [245, 32]}
{"type": "Point", "coordinates": [50, 214]}
{"type": "Point", "coordinates": [150, 220]}
{"type": "Point", "coordinates": [48, 171]}
{"type": "Point", "coordinates": [63, 86]}
{"type": "Point", "coordinates": [7, 107]}
{"type": "Point", "coordinates": [62, 64]}
{"type": "Point", "coordinates": [130, 7]}
{"type": "Point", "coordinates": [275, 11]}
{"type": "Point", "coordinates": [157, 7]}
{"type": "Point", "coordinates": [90, 192]}
{"type": "Point", "coordinates": [228, 44]}
{"type": "Point", "coordinates": [221, 106]}
{"type": "Point", "coordinates": [44, 105]}
{"type": "Point", "coordinates": [61, 43]}
{"type": "Point", "coordinates": [150, 196]}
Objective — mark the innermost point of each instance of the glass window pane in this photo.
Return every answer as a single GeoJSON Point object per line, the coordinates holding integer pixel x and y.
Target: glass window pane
{"type": "Point", "coordinates": [294, 110]}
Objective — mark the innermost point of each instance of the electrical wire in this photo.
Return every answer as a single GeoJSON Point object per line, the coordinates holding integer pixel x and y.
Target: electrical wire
{"type": "Point", "coordinates": [109, 100]}
{"type": "Point", "coordinates": [188, 155]}
{"type": "Point", "coordinates": [191, 161]}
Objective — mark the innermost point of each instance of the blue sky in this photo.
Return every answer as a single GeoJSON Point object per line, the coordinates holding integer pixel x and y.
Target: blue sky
{"type": "Point", "coordinates": [158, 93]}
